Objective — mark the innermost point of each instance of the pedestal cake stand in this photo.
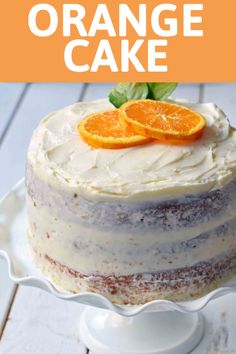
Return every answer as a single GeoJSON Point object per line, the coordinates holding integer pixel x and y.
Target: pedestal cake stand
{"type": "Point", "coordinates": [158, 327]}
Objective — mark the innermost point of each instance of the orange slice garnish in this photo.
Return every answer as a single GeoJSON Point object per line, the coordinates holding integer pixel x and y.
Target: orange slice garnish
{"type": "Point", "coordinates": [106, 130]}
{"type": "Point", "coordinates": [166, 122]}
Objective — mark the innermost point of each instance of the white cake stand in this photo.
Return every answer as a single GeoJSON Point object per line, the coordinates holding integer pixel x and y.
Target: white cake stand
{"type": "Point", "coordinates": [158, 327]}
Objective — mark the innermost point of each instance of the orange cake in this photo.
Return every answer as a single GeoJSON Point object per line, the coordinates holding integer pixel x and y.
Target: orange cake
{"type": "Point", "coordinates": [137, 223]}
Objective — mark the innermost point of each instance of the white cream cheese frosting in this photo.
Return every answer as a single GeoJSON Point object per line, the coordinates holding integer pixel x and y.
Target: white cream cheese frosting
{"type": "Point", "coordinates": [93, 251]}
{"type": "Point", "coordinates": [58, 155]}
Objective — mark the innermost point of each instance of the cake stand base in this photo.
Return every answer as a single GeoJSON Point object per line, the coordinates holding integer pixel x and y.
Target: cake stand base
{"type": "Point", "coordinates": [105, 332]}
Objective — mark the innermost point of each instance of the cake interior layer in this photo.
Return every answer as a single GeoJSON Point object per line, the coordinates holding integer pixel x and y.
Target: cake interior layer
{"type": "Point", "coordinates": [179, 285]}
{"type": "Point", "coordinates": [93, 251]}
{"type": "Point", "coordinates": [185, 217]}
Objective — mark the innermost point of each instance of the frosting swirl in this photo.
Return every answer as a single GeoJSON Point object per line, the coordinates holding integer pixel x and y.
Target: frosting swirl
{"type": "Point", "coordinates": [59, 156]}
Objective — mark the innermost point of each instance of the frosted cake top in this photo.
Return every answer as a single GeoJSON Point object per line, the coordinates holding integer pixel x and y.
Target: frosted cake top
{"type": "Point", "coordinates": [58, 155]}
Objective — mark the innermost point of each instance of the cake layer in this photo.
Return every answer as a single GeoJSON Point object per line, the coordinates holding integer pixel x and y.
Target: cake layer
{"type": "Point", "coordinates": [154, 171]}
{"type": "Point", "coordinates": [179, 285]}
{"type": "Point", "coordinates": [177, 219]}
{"type": "Point", "coordinates": [93, 251]}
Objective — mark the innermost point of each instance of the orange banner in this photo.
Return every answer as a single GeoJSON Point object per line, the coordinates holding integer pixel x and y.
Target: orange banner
{"type": "Point", "coordinates": [59, 40]}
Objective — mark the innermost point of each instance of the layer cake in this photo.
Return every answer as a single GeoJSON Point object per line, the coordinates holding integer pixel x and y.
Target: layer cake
{"type": "Point", "coordinates": [136, 224]}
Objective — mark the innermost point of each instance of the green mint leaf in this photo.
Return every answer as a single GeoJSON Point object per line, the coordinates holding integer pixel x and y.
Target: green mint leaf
{"type": "Point", "coordinates": [160, 91]}
{"type": "Point", "coordinates": [126, 91]}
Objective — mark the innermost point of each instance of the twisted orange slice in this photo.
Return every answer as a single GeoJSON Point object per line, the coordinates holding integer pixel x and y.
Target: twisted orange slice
{"type": "Point", "coordinates": [105, 130]}
{"type": "Point", "coordinates": [170, 123]}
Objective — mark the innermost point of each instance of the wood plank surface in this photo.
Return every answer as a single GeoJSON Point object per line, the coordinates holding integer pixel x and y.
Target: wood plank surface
{"type": "Point", "coordinates": [95, 91]}
{"type": "Point", "coordinates": [189, 92]}
{"type": "Point", "coordinates": [41, 324]}
{"type": "Point", "coordinates": [220, 327]}
{"type": "Point", "coordinates": [224, 95]}
{"type": "Point", "coordinates": [39, 100]}
{"type": "Point", "coordinates": [10, 97]}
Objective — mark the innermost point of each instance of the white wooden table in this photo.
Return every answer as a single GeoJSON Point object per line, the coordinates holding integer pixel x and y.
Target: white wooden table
{"type": "Point", "coordinates": [32, 321]}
